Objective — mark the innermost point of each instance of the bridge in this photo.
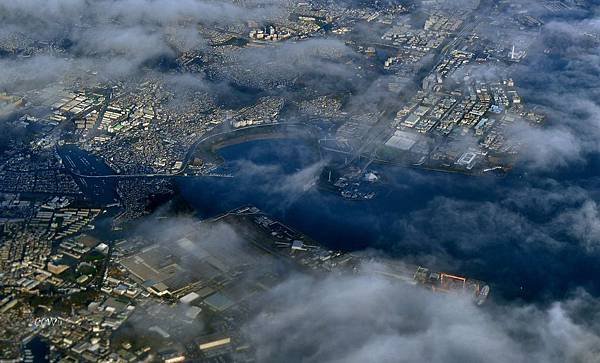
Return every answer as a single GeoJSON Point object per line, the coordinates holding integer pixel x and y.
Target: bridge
{"type": "Point", "coordinates": [188, 156]}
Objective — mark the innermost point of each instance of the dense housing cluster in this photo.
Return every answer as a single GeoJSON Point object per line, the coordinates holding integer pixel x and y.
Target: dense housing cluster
{"type": "Point", "coordinates": [419, 84]}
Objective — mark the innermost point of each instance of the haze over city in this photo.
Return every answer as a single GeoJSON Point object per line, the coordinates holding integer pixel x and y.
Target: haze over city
{"type": "Point", "coordinates": [299, 181]}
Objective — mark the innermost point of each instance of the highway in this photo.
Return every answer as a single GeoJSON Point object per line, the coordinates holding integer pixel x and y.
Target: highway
{"type": "Point", "coordinates": [373, 137]}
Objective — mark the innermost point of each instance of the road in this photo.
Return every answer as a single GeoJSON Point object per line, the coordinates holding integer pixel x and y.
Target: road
{"type": "Point", "coordinates": [188, 156]}
{"type": "Point", "coordinates": [382, 129]}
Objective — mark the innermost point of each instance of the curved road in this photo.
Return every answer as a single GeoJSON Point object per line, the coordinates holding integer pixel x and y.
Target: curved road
{"type": "Point", "coordinates": [188, 156]}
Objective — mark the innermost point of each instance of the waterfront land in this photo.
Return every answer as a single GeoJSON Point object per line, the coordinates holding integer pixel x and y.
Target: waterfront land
{"type": "Point", "coordinates": [93, 162]}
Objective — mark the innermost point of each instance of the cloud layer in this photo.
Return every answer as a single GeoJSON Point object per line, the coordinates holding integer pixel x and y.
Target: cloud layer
{"type": "Point", "coordinates": [370, 319]}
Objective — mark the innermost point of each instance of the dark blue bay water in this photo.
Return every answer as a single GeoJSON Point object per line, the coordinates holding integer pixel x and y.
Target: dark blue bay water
{"type": "Point", "coordinates": [506, 231]}
{"type": "Point", "coordinates": [476, 226]}
{"type": "Point", "coordinates": [100, 190]}
{"type": "Point", "coordinates": [38, 350]}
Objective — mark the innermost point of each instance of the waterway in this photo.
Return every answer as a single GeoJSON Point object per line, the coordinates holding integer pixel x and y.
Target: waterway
{"type": "Point", "coordinates": [36, 351]}
{"type": "Point", "coordinates": [456, 223]}
{"type": "Point", "coordinates": [499, 230]}
{"type": "Point", "coordinates": [102, 191]}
